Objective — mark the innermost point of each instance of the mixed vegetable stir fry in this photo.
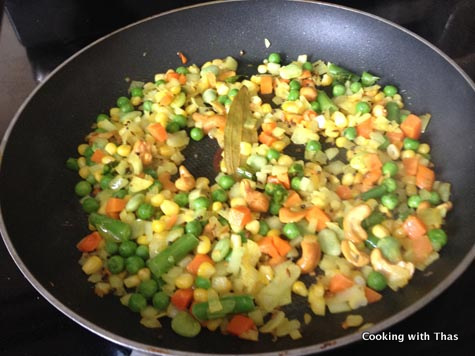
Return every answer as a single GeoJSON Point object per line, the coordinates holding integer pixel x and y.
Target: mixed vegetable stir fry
{"type": "Point", "coordinates": [324, 191]}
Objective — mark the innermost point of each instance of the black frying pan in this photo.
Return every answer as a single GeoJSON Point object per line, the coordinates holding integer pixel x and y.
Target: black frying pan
{"type": "Point", "coordinates": [42, 221]}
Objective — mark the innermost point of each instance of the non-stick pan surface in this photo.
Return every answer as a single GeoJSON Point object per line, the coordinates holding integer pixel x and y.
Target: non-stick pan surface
{"type": "Point", "coordinates": [42, 220]}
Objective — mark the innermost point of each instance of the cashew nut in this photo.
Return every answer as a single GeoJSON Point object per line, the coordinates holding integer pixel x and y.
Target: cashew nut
{"type": "Point", "coordinates": [186, 182]}
{"type": "Point", "coordinates": [256, 201]}
{"type": "Point", "coordinates": [353, 255]}
{"type": "Point", "coordinates": [144, 150]}
{"type": "Point", "coordinates": [397, 275]}
{"type": "Point", "coordinates": [311, 254]}
{"type": "Point", "coordinates": [352, 223]}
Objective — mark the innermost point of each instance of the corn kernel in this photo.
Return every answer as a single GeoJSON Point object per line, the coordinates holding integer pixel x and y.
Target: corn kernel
{"type": "Point", "coordinates": [222, 166]}
{"type": "Point", "coordinates": [161, 118]}
{"type": "Point", "coordinates": [107, 159]}
{"type": "Point", "coordinates": [399, 233]}
{"type": "Point", "coordinates": [285, 160]}
{"type": "Point", "coordinates": [326, 80]}
{"type": "Point", "coordinates": [142, 240]}
{"type": "Point", "coordinates": [200, 295]}
{"type": "Point", "coordinates": [246, 148]}
{"type": "Point", "coordinates": [92, 265]}
{"type": "Point", "coordinates": [266, 108]}
{"type": "Point", "coordinates": [166, 151]}
{"type": "Point", "coordinates": [380, 231]}
{"type": "Point", "coordinates": [379, 110]}
{"type": "Point", "coordinates": [206, 270]}
{"type": "Point", "coordinates": [341, 142]}
{"type": "Point", "coordinates": [407, 154]}
{"type": "Point", "coordinates": [82, 148]}
{"type": "Point", "coordinates": [204, 246]}
{"type": "Point", "coordinates": [84, 172]}
{"type": "Point", "coordinates": [175, 90]}
{"type": "Point", "coordinates": [111, 148]}
{"type": "Point", "coordinates": [158, 226]}
{"type": "Point", "coordinates": [97, 176]}
{"type": "Point", "coordinates": [262, 69]}
{"type": "Point", "coordinates": [124, 150]}
{"type": "Point", "coordinates": [184, 281]}
{"type": "Point", "coordinates": [169, 207]}
{"type": "Point", "coordinates": [238, 201]}
{"type": "Point", "coordinates": [273, 232]}
{"type": "Point", "coordinates": [202, 183]}
{"type": "Point", "coordinates": [347, 179]}
{"type": "Point", "coordinates": [339, 119]}
{"type": "Point", "coordinates": [144, 274]}
{"type": "Point", "coordinates": [135, 100]}
{"type": "Point", "coordinates": [157, 199]}
{"type": "Point", "coordinates": [81, 162]}
{"type": "Point", "coordinates": [213, 324]}
{"type": "Point", "coordinates": [291, 107]}
{"type": "Point", "coordinates": [253, 227]}
{"type": "Point", "coordinates": [267, 272]}
{"type": "Point", "coordinates": [114, 112]}
{"type": "Point", "coordinates": [352, 321]}
{"type": "Point", "coordinates": [221, 284]}
{"type": "Point", "coordinates": [299, 288]}
{"type": "Point", "coordinates": [132, 281]}
{"type": "Point", "coordinates": [424, 148]}
{"type": "Point", "coordinates": [411, 189]}
{"type": "Point", "coordinates": [217, 206]}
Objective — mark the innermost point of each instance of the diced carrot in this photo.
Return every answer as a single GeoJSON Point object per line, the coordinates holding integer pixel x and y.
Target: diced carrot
{"type": "Point", "coordinates": [344, 192]}
{"type": "Point", "coordinates": [115, 206]}
{"type": "Point", "coordinates": [97, 156]}
{"type": "Point", "coordinates": [171, 75]}
{"type": "Point", "coordinates": [90, 242]}
{"type": "Point", "coordinates": [164, 178]}
{"type": "Point", "coordinates": [372, 161]}
{"type": "Point", "coordinates": [240, 216]}
{"type": "Point", "coordinates": [421, 248]}
{"type": "Point", "coordinates": [309, 93]}
{"type": "Point", "coordinates": [293, 199]}
{"type": "Point", "coordinates": [284, 180]}
{"type": "Point", "coordinates": [239, 324]}
{"type": "Point", "coordinates": [289, 216]}
{"type": "Point", "coordinates": [266, 84]}
{"type": "Point", "coordinates": [316, 214]}
{"type": "Point", "coordinates": [226, 74]}
{"type": "Point", "coordinates": [158, 132]}
{"type": "Point", "coordinates": [297, 118]}
{"type": "Point", "coordinates": [410, 165]}
{"type": "Point", "coordinates": [371, 295]}
{"type": "Point", "coordinates": [425, 177]}
{"type": "Point", "coordinates": [182, 57]}
{"type": "Point", "coordinates": [196, 262]}
{"type": "Point", "coordinates": [266, 245]}
{"type": "Point", "coordinates": [266, 138]}
{"type": "Point", "coordinates": [365, 128]}
{"type": "Point", "coordinates": [282, 246]}
{"type": "Point", "coordinates": [268, 127]}
{"type": "Point", "coordinates": [306, 74]}
{"type": "Point", "coordinates": [309, 115]}
{"type": "Point", "coordinates": [171, 220]}
{"type": "Point", "coordinates": [182, 298]}
{"type": "Point", "coordinates": [412, 126]}
{"type": "Point", "coordinates": [394, 137]}
{"type": "Point", "coordinates": [371, 177]}
{"type": "Point", "coordinates": [277, 260]}
{"type": "Point", "coordinates": [414, 227]}
{"type": "Point", "coordinates": [166, 99]}
{"type": "Point", "coordinates": [339, 283]}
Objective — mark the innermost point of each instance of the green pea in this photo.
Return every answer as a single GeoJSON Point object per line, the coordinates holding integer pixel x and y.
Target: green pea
{"type": "Point", "coordinates": [115, 264]}
{"type": "Point", "coordinates": [274, 58]}
{"type": "Point", "coordinates": [111, 247]}
{"type": "Point", "coordinates": [355, 87]}
{"type": "Point", "coordinates": [390, 90]}
{"type": "Point", "coordinates": [137, 302]}
{"type": "Point", "coordinates": [307, 66]}
{"type": "Point", "coordinates": [226, 182]}
{"type": "Point", "coordinates": [72, 164]}
{"type": "Point", "coordinates": [105, 180]}
{"type": "Point", "coordinates": [127, 248]}
{"type": "Point", "coordinates": [371, 242]}
{"type": "Point", "coordinates": [181, 199]}
{"type": "Point", "coordinates": [145, 211]}
{"type": "Point", "coordinates": [121, 193]}
{"type": "Point", "coordinates": [90, 205]}
{"type": "Point", "coordinates": [294, 94]}
{"type": "Point", "coordinates": [363, 107]}
{"type": "Point", "coordinates": [126, 108]}
{"type": "Point", "coordinates": [136, 92]}
{"type": "Point", "coordinates": [294, 84]}
{"type": "Point", "coordinates": [376, 281]}
{"type": "Point", "coordinates": [291, 231]}
{"type": "Point", "coordinates": [219, 195]}
{"type": "Point", "coordinates": [123, 100]}
{"type": "Point", "coordinates": [350, 133]}
{"type": "Point", "coordinates": [133, 264]}
{"type": "Point", "coordinates": [173, 127]}
{"type": "Point", "coordinates": [88, 152]}
{"type": "Point", "coordinates": [233, 92]}
{"type": "Point", "coordinates": [315, 106]}
{"type": "Point", "coordinates": [434, 198]}
{"type": "Point", "coordinates": [147, 105]}
{"type": "Point", "coordinates": [390, 201]}
{"type": "Point", "coordinates": [201, 282]}
{"type": "Point", "coordinates": [338, 90]}
{"type": "Point", "coordinates": [148, 288]}
{"type": "Point", "coordinates": [159, 82]}
{"type": "Point", "coordinates": [209, 95]}
{"type": "Point", "coordinates": [185, 325]}
{"type": "Point", "coordinates": [83, 188]}
{"type": "Point", "coordinates": [274, 207]}
{"type": "Point", "coordinates": [385, 144]}
{"type": "Point", "coordinates": [197, 134]}
{"type": "Point", "coordinates": [270, 188]}
{"type": "Point", "coordinates": [160, 300]}
{"type": "Point", "coordinates": [181, 70]}
{"type": "Point", "coordinates": [390, 248]}
{"type": "Point", "coordinates": [296, 169]}
{"type": "Point", "coordinates": [142, 252]}
{"type": "Point", "coordinates": [106, 169]}
{"type": "Point", "coordinates": [410, 144]}
{"type": "Point", "coordinates": [90, 179]}
{"type": "Point", "coordinates": [263, 228]}
{"type": "Point", "coordinates": [413, 201]}
{"type": "Point", "coordinates": [295, 183]}
{"type": "Point", "coordinates": [180, 120]}
{"type": "Point", "coordinates": [390, 169]}
{"type": "Point", "coordinates": [438, 238]}
{"type": "Point", "coordinates": [272, 154]}
{"type": "Point", "coordinates": [390, 184]}
{"type": "Point", "coordinates": [193, 227]}
{"type": "Point", "coordinates": [313, 146]}
{"type": "Point", "coordinates": [222, 99]}
{"type": "Point", "coordinates": [102, 117]}
{"type": "Point", "coordinates": [201, 203]}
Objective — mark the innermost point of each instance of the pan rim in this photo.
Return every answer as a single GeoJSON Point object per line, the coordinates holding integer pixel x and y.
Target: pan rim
{"type": "Point", "coordinates": [123, 341]}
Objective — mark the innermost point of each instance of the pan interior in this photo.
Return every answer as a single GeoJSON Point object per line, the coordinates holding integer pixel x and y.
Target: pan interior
{"type": "Point", "coordinates": [44, 220]}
